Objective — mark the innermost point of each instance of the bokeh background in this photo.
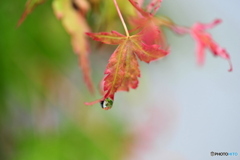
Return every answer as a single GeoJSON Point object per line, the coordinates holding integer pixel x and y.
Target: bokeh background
{"type": "Point", "coordinates": [179, 112]}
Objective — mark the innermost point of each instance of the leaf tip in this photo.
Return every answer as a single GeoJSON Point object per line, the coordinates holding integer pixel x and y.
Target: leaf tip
{"type": "Point", "coordinates": [23, 17]}
{"type": "Point", "coordinates": [231, 67]}
{"type": "Point", "coordinates": [217, 21]}
{"type": "Point", "coordinates": [92, 103]}
{"type": "Point", "coordinates": [88, 33]}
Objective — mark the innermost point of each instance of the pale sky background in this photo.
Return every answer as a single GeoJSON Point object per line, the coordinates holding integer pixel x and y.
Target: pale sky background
{"type": "Point", "coordinates": [200, 105]}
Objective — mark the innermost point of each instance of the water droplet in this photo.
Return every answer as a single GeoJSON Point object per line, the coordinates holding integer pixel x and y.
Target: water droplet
{"type": "Point", "coordinates": [107, 104]}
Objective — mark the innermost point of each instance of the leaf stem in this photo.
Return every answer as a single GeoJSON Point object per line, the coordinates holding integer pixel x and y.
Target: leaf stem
{"type": "Point", "coordinates": [120, 15]}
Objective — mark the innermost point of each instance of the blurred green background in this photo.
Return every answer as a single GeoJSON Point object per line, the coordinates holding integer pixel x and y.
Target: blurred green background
{"type": "Point", "coordinates": [42, 115]}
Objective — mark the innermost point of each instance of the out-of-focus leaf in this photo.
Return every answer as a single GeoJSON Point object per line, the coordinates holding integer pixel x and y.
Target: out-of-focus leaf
{"type": "Point", "coordinates": [30, 5]}
{"type": "Point", "coordinates": [148, 24]}
{"type": "Point", "coordinates": [73, 20]}
{"type": "Point", "coordinates": [204, 41]}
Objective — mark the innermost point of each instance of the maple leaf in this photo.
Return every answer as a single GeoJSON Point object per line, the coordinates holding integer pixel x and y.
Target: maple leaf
{"type": "Point", "coordinates": [74, 22]}
{"type": "Point", "coordinates": [122, 71]}
{"type": "Point", "coordinates": [30, 5]}
{"type": "Point", "coordinates": [148, 24]}
{"type": "Point", "coordinates": [204, 40]}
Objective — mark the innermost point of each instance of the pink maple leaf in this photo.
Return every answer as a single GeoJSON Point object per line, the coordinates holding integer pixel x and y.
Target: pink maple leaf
{"type": "Point", "coordinates": [204, 41]}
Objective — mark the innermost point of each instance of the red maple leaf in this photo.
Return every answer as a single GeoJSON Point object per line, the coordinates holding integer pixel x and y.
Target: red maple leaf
{"type": "Point", "coordinates": [122, 71]}
{"type": "Point", "coordinates": [148, 24]}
